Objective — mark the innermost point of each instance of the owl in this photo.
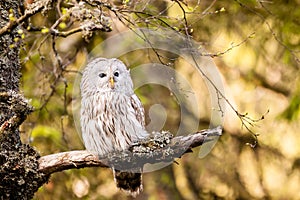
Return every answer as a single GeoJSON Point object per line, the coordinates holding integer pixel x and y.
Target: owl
{"type": "Point", "coordinates": [112, 116]}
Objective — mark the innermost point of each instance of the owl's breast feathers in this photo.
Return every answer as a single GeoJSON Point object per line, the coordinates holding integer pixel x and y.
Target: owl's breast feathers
{"type": "Point", "coordinates": [111, 121]}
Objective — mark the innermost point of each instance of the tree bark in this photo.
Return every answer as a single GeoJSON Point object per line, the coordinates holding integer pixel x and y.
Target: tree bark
{"type": "Point", "coordinates": [19, 175]}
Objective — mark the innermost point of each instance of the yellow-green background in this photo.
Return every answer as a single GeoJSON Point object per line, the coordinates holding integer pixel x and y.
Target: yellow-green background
{"type": "Point", "coordinates": [259, 74]}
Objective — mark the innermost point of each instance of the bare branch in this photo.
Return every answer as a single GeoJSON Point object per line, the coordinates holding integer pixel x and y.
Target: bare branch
{"type": "Point", "coordinates": [232, 46]}
{"type": "Point", "coordinates": [292, 52]}
{"type": "Point", "coordinates": [68, 160]}
{"type": "Point", "coordinates": [176, 147]}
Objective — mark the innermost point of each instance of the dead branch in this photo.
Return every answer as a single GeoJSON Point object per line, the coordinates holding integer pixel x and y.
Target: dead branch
{"type": "Point", "coordinates": [175, 148]}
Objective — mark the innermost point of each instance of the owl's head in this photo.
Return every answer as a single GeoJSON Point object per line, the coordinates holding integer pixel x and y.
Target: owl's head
{"type": "Point", "coordinates": [106, 75]}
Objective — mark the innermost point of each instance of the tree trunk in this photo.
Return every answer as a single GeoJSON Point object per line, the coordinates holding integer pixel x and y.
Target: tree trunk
{"type": "Point", "coordinates": [19, 175]}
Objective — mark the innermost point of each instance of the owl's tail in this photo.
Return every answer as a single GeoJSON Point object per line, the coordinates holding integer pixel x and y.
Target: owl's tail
{"type": "Point", "coordinates": [130, 182]}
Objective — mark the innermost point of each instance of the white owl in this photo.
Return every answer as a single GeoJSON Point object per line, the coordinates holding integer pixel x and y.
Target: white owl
{"type": "Point", "coordinates": [112, 116]}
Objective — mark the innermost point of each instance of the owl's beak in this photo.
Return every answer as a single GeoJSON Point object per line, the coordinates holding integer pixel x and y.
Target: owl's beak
{"type": "Point", "coordinates": [112, 82]}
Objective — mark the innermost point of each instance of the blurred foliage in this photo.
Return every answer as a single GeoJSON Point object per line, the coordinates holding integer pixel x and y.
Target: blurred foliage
{"type": "Point", "coordinates": [292, 111]}
{"type": "Point", "coordinates": [255, 45]}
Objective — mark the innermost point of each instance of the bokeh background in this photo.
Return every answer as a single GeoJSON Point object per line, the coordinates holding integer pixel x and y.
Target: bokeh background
{"type": "Point", "coordinates": [254, 44]}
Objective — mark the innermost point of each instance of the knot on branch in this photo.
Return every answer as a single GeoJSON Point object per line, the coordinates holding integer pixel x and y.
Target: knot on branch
{"type": "Point", "coordinates": [154, 142]}
{"type": "Point", "coordinates": [14, 110]}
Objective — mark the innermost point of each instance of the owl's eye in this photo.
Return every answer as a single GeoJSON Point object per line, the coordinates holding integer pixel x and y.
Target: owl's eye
{"type": "Point", "coordinates": [102, 75]}
{"type": "Point", "coordinates": [116, 74]}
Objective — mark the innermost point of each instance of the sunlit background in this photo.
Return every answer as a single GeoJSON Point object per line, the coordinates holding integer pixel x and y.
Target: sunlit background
{"type": "Point", "coordinates": [254, 44]}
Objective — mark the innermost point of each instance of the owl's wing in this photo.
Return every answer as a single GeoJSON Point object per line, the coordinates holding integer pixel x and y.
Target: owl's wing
{"type": "Point", "coordinates": [138, 108]}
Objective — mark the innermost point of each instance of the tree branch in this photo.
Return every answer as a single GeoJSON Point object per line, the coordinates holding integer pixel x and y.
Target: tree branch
{"type": "Point", "coordinates": [32, 9]}
{"type": "Point", "coordinates": [138, 153]}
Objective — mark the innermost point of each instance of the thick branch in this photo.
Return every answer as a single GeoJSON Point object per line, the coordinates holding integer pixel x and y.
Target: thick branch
{"type": "Point", "coordinates": [68, 160]}
{"type": "Point", "coordinates": [175, 148]}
